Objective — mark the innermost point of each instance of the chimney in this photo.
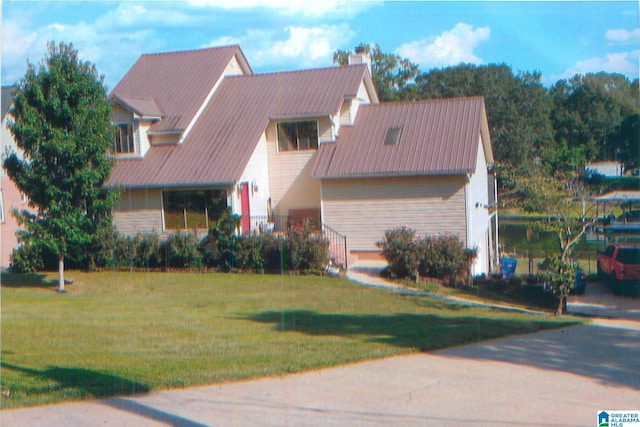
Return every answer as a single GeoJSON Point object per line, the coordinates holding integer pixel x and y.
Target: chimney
{"type": "Point", "coordinates": [360, 57]}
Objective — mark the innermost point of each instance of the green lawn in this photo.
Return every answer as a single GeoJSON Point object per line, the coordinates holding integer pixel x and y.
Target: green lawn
{"type": "Point", "coordinates": [124, 333]}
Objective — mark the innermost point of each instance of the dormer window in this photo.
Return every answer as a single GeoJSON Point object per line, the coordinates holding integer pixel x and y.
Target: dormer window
{"type": "Point", "coordinates": [298, 136]}
{"type": "Point", "coordinates": [124, 141]}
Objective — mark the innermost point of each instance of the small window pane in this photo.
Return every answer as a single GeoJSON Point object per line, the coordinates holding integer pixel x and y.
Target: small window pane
{"type": "Point", "coordinates": [296, 136]}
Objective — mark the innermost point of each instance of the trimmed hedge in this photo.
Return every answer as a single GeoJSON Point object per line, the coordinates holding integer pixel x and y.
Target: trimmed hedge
{"type": "Point", "coordinates": [443, 257]}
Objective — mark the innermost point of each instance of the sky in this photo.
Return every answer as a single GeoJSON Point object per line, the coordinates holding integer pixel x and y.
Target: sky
{"type": "Point", "coordinates": [557, 39]}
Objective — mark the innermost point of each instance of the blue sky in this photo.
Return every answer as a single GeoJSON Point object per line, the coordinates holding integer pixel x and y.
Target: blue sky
{"type": "Point", "coordinates": [559, 39]}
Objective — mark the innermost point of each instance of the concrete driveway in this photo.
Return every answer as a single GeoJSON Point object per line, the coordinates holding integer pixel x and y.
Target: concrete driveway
{"type": "Point", "coordinates": [560, 377]}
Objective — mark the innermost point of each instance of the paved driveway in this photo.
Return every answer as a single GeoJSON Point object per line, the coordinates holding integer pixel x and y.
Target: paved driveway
{"type": "Point", "coordinates": [551, 378]}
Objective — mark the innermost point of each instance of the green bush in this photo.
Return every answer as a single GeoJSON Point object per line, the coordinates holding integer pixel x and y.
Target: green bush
{"type": "Point", "coordinates": [399, 248]}
{"type": "Point", "coordinates": [309, 249]}
{"type": "Point", "coordinates": [443, 257]}
{"type": "Point", "coordinates": [180, 250]}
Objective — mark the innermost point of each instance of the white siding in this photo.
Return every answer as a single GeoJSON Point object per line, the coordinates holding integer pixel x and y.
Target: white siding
{"type": "Point", "coordinates": [478, 226]}
{"type": "Point", "coordinates": [362, 209]}
{"type": "Point", "coordinates": [139, 211]}
{"type": "Point", "coordinates": [290, 179]}
{"type": "Point", "coordinates": [257, 175]}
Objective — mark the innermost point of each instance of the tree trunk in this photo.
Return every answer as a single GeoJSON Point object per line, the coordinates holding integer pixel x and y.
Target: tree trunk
{"type": "Point", "coordinates": [61, 272]}
{"type": "Point", "coordinates": [562, 306]}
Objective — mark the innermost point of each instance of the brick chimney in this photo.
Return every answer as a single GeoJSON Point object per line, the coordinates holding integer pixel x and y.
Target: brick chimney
{"type": "Point", "coordinates": [360, 57]}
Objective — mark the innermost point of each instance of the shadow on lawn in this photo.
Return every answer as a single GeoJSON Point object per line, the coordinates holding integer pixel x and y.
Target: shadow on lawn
{"type": "Point", "coordinates": [423, 332]}
{"type": "Point", "coordinates": [81, 383]}
{"type": "Point", "coordinates": [26, 280]}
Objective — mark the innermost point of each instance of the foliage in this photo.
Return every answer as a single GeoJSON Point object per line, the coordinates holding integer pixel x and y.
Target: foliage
{"type": "Point", "coordinates": [442, 257]}
{"type": "Point", "coordinates": [309, 249]}
{"type": "Point", "coordinates": [180, 250]}
{"type": "Point", "coordinates": [218, 247]}
{"type": "Point", "coordinates": [556, 201]}
{"type": "Point", "coordinates": [60, 121]}
{"type": "Point", "coordinates": [399, 250]}
{"type": "Point", "coordinates": [518, 107]}
{"type": "Point", "coordinates": [391, 73]}
{"type": "Point", "coordinates": [118, 251]}
{"type": "Point", "coordinates": [445, 257]}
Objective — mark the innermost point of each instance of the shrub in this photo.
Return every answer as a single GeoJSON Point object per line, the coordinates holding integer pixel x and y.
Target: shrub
{"type": "Point", "coordinates": [218, 248]}
{"type": "Point", "coordinates": [443, 257]}
{"type": "Point", "coordinates": [180, 250]}
{"type": "Point", "coordinates": [400, 250]}
{"type": "Point", "coordinates": [309, 249]}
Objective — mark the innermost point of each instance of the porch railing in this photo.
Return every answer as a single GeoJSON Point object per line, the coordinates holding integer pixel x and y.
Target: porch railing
{"type": "Point", "coordinates": [285, 224]}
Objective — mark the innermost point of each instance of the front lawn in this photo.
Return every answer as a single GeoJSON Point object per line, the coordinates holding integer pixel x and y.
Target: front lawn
{"type": "Point", "coordinates": [127, 333]}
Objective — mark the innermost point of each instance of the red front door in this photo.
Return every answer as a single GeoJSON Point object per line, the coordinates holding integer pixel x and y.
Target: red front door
{"type": "Point", "coordinates": [244, 205]}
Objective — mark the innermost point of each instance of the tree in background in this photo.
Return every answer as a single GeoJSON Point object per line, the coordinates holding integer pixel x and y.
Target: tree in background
{"type": "Point", "coordinates": [562, 216]}
{"type": "Point", "coordinates": [595, 117]}
{"type": "Point", "coordinates": [61, 124]}
{"type": "Point", "coordinates": [518, 109]}
{"type": "Point", "coordinates": [391, 73]}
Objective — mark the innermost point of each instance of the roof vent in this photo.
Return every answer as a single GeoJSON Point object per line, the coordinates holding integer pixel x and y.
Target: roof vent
{"type": "Point", "coordinates": [392, 137]}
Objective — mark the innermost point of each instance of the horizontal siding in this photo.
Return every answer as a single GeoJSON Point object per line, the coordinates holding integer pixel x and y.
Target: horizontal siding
{"type": "Point", "coordinates": [290, 179]}
{"type": "Point", "coordinates": [139, 211]}
{"type": "Point", "coordinates": [362, 209]}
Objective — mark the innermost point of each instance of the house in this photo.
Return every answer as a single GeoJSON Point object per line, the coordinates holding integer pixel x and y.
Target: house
{"type": "Point", "coordinates": [425, 165]}
{"type": "Point", "coordinates": [199, 132]}
{"type": "Point", "coordinates": [606, 169]}
{"type": "Point", "coordinates": [10, 197]}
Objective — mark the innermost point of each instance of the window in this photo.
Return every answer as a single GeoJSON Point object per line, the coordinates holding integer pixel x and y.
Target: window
{"type": "Point", "coordinates": [392, 137]}
{"type": "Point", "coordinates": [124, 141]}
{"type": "Point", "coordinates": [1, 208]}
{"type": "Point", "coordinates": [193, 209]}
{"type": "Point", "coordinates": [298, 136]}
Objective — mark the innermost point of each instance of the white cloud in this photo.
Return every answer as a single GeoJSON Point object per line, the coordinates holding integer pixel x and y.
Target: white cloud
{"type": "Point", "coordinates": [292, 48]}
{"type": "Point", "coordinates": [623, 36]}
{"type": "Point", "coordinates": [309, 8]}
{"type": "Point", "coordinates": [626, 63]}
{"type": "Point", "coordinates": [452, 47]}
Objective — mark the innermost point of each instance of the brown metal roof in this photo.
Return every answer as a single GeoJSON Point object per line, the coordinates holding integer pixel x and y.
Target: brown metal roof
{"type": "Point", "coordinates": [437, 137]}
{"type": "Point", "coordinates": [145, 107]}
{"type": "Point", "coordinates": [177, 82]}
{"type": "Point", "coordinates": [218, 147]}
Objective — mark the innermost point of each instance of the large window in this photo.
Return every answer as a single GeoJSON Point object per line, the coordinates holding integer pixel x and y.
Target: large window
{"type": "Point", "coordinates": [124, 141]}
{"type": "Point", "coordinates": [193, 209]}
{"type": "Point", "coordinates": [298, 136]}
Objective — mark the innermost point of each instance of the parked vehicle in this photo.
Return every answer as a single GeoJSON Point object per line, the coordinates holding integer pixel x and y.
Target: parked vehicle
{"type": "Point", "coordinates": [580, 283]}
{"type": "Point", "coordinates": [620, 266]}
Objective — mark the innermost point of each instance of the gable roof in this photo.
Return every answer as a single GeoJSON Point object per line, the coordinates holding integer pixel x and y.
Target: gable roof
{"type": "Point", "coordinates": [174, 84]}
{"type": "Point", "coordinates": [220, 144]}
{"type": "Point", "coordinates": [436, 137]}
{"type": "Point", "coordinates": [6, 99]}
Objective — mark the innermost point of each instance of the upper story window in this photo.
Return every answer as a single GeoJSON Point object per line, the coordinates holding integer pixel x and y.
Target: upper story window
{"type": "Point", "coordinates": [298, 136]}
{"type": "Point", "coordinates": [124, 141]}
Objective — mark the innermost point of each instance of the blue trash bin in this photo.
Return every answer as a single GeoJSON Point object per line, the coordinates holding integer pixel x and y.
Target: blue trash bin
{"type": "Point", "coordinates": [508, 266]}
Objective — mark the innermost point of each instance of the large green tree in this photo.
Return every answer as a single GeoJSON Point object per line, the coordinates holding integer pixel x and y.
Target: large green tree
{"type": "Point", "coordinates": [391, 73]}
{"type": "Point", "coordinates": [61, 125]}
{"type": "Point", "coordinates": [518, 108]}
{"type": "Point", "coordinates": [595, 117]}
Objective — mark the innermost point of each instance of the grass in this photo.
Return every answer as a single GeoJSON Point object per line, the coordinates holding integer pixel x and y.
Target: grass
{"type": "Point", "coordinates": [126, 333]}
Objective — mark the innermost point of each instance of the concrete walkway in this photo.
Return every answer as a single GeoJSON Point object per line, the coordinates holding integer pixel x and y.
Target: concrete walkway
{"type": "Point", "coordinates": [551, 378]}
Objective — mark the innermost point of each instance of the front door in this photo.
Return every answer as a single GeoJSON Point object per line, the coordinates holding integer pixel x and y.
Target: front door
{"type": "Point", "coordinates": [244, 206]}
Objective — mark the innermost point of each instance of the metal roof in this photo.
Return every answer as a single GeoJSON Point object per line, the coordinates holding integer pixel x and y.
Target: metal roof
{"type": "Point", "coordinates": [6, 99]}
{"type": "Point", "coordinates": [177, 82]}
{"type": "Point", "coordinates": [221, 142]}
{"type": "Point", "coordinates": [436, 137]}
